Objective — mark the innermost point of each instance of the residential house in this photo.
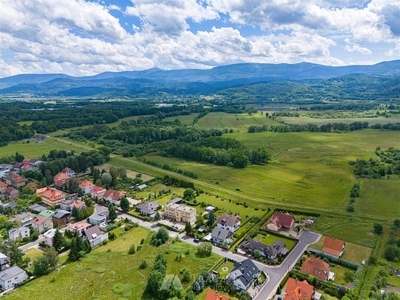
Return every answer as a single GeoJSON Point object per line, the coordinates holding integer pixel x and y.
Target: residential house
{"type": "Point", "coordinates": [180, 213]}
{"type": "Point", "coordinates": [12, 205]}
{"type": "Point", "coordinates": [12, 277]}
{"type": "Point", "coordinates": [213, 295]}
{"type": "Point", "coordinates": [33, 185]}
{"type": "Point", "coordinates": [69, 172]}
{"type": "Point", "coordinates": [79, 204]}
{"type": "Point", "coordinates": [318, 268]}
{"type": "Point", "coordinates": [333, 247]}
{"type": "Point", "coordinates": [15, 180]}
{"type": "Point", "coordinates": [98, 192]}
{"type": "Point", "coordinates": [243, 274]}
{"type": "Point", "coordinates": [148, 208]}
{"type": "Point", "coordinates": [269, 252]}
{"type": "Point", "coordinates": [19, 233]}
{"type": "Point", "coordinates": [4, 172]}
{"type": "Point", "coordinates": [113, 196]}
{"type": "Point", "coordinates": [48, 237]}
{"type": "Point", "coordinates": [99, 218]}
{"type": "Point", "coordinates": [3, 261]}
{"type": "Point", "coordinates": [86, 187]}
{"type": "Point", "coordinates": [47, 213]}
{"type": "Point", "coordinates": [42, 224]}
{"type": "Point", "coordinates": [229, 222]}
{"type": "Point", "coordinates": [219, 235]}
{"type": "Point", "coordinates": [50, 196]}
{"type": "Point", "coordinates": [95, 236]}
{"type": "Point", "coordinates": [11, 193]}
{"type": "Point", "coordinates": [78, 227]}
{"type": "Point", "coordinates": [3, 187]}
{"type": "Point", "coordinates": [60, 218]}
{"type": "Point", "coordinates": [298, 290]}
{"type": "Point", "coordinates": [66, 204]}
{"type": "Point", "coordinates": [24, 219]}
{"type": "Point", "coordinates": [281, 221]}
{"type": "Point", "coordinates": [61, 179]}
{"type": "Point", "coordinates": [175, 201]}
{"type": "Point", "coordinates": [36, 208]}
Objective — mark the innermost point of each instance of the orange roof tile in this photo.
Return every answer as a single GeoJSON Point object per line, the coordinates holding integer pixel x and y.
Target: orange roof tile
{"type": "Point", "coordinates": [60, 176]}
{"type": "Point", "coordinates": [316, 267]}
{"type": "Point", "coordinates": [2, 184]}
{"type": "Point", "coordinates": [85, 184]}
{"type": "Point", "coordinates": [298, 290]}
{"type": "Point", "coordinates": [332, 246]}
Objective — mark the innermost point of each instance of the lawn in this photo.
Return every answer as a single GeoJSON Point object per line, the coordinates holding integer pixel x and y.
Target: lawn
{"type": "Point", "coordinates": [270, 238]}
{"type": "Point", "coordinates": [225, 268]}
{"type": "Point", "coordinates": [129, 173]}
{"type": "Point", "coordinates": [108, 272]}
{"type": "Point", "coordinates": [33, 253]}
{"type": "Point", "coordinates": [352, 229]}
{"type": "Point", "coordinates": [353, 252]}
{"type": "Point", "coordinates": [339, 271]}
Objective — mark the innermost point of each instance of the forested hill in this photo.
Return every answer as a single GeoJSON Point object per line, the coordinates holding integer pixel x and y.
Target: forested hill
{"type": "Point", "coordinates": [304, 76]}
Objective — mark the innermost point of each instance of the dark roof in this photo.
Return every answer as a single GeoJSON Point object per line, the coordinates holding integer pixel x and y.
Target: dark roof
{"type": "Point", "coordinates": [282, 219]}
{"type": "Point", "coordinates": [275, 248]}
{"type": "Point", "coordinates": [148, 208]}
{"type": "Point", "coordinates": [11, 204]}
{"type": "Point", "coordinates": [247, 270]}
{"type": "Point", "coordinates": [93, 232]}
{"type": "Point", "coordinates": [37, 207]}
{"type": "Point", "coordinates": [101, 215]}
{"type": "Point", "coordinates": [175, 201]}
{"type": "Point", "coordinates": [59, 214]}
{"type": "Point", "coordinates": [221, 234]}
{"type": "Point", "coordinates": [252, 245]}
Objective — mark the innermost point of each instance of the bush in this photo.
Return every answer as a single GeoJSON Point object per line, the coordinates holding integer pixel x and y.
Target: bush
{"type": "Point", "coordinates": [132, 249]}
{"type": "Point", "coordinates": [143, 264]}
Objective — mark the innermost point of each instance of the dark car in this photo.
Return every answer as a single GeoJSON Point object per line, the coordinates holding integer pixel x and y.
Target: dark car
{"type": "Point", "coordinates": [196, 240]}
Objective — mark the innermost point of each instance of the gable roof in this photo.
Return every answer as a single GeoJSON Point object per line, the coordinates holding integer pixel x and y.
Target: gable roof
{"type": "Point", "coordinates": [98, 189]}
{"type": "Point", "coordinates": [316, 267]}
{"type": "Point", "coordinates": [298, 290]}
{"type": "Point", "coordinates": [39, 220]}
{"type": "Point", "coordinates": [221, 234]}
{"type": "Point", "coordinates": [2, 184]}
{"type": "Point", "coordinates": [244, 273]}
{"type": "Point", "coordinates": [15, 178]}
{"type": "Point", "coordinates": [213, 295]}
{"type": "Point", "coordinates": [67, 170]}
{"type": "Point", "coordinates": [82, 225]}
{"type": "Point", "coordinates": [77, 204]}
{"type": "Point", "coordinates": [148, 207]}
{"type": "Point", "coordinates": [60, 176]}
{"type": "Point", "coordinates": [275, 248]}
{"type": "Point", "coordinates": [93, 232]}
{"type": "Point", "coordinates": [228, 220]}
{"type": "Point", "coordinates": [332, 246]}
{"type": "Point", "coordinates": [59, 214]}
{"type": "Point", "coordinates": [282, 219]}
{"type": "Point", "coordinates": [10, 190]}
{"type": "Point", "coordinates": [37, 208]}
{"type": "Point", "coordinates": [86, 184]}
{"type": "Point", "coordinates": [252, 245]}
{"type": "Point", "coordinates": [113, 194]}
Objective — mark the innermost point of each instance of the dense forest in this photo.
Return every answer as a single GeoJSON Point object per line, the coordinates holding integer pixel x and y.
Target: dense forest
{"type": "Point", "coordinates": [11, 131]}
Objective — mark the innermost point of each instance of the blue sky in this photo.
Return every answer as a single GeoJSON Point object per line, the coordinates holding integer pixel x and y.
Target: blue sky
{"type": "Point", "coordinates": [80, 37]}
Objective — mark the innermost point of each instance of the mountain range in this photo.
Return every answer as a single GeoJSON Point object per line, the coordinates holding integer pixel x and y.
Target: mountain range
{"type": "Point", "coordinates": [194, 81]}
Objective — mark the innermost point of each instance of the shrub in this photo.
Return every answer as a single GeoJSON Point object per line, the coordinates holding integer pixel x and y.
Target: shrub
{"type": "Point", "coordinates": [132, 249]}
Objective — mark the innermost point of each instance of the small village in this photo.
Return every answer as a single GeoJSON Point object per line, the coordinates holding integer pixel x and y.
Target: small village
{"type": "Point", "coordinates": [285, 267]}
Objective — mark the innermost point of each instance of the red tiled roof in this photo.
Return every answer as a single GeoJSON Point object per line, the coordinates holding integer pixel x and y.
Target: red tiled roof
{"type": "Point", "coordinates": [86, 184]}
{"type": "Point", "coordinates": [79, 226]}
{"type": "Point", "coordinates": [298, 290]}
{"type": "Point", "coordinates": [9, 190]}
{"type": "Point", "coordinates": [332, 246]}
{"type": "Point", "coordinates": [213, 295]}
{"type": "Point", "coordinates": [67, 170]}
{"type": "Point", "coordinates": [316, 267]}
{"type": "Point", "coordinates": [282, 219]}
{"type": "Point", "coordinates": [98, 189]}
{"type": "Point", "coordinates": [78, 203]}
{"type": "Point", "coordinates": [2, 184]}
{"type": "Point", "coordinates": [39, 220]}
{"type": "Point", "coordinates": [60, 176]}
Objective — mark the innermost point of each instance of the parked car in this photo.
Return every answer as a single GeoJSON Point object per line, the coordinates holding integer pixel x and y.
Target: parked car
{"type": "Point", "coordinates": [196, 240]}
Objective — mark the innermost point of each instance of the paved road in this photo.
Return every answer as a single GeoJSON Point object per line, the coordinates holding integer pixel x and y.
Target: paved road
{"type": "Point", "coordinates": [33, 244]}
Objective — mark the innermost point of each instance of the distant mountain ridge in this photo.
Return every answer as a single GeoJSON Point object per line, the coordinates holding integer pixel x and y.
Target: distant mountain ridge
{"type": "Point", "coordinates": [184, 81]}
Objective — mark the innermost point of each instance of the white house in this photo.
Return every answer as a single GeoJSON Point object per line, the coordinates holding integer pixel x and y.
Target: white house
{"type": "Point", "coordinates": [19, 233]}
{"type": "Point", "coordinates": [99, 218]}
{"type": "Point", "coordinates": [229, 222]}
{"type": "Point", "coordinates": [48, 237]}
{"type": "Point", "coordinates": [42, 224]}
{"type": "Point", "coordinates": [12, 277]}
{"type": "Point", "coordinates": [95, 236]}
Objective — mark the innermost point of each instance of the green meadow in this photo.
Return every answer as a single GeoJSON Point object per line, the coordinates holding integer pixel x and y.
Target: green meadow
{"type": "Point", "coordinates": [109, 272]}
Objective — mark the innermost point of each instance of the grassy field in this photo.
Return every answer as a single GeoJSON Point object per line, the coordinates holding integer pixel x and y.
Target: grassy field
{"type": "Point", "coordinates": [339, 271]}
{"type": "Point", "coordinates": [33, 253]}
{"type": "Point", "coordinates": [371, 121]}
{"type": "Point", "coordinates": [353, 252]}
{"type": "Point", "coordinates": [129, 173]}
{"type": "Point", "coordinates": [185, 119]}
{"type": "Point", "coordinates": [238, 122]}
{"type": "Point", "coordinates": [269, 239]}
{"type": "Point", "coordinates": [110, 273]}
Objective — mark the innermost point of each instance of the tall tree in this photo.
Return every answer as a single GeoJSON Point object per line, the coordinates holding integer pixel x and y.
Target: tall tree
{"type": "Point", "coordinates": [112, 213]}
{"type": "Point", "coordinates": [125, 205]}
{"type": "Point", "coordinates": [74, 212]}
{"type": "Point", "coordinates": [188, 229]}
{"type": "Point", "coordinates": [15, 255]}
{"type": "Point", "coordinates": [211, 219]}
{"type": "Point", "coordinates": [52, 257]}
